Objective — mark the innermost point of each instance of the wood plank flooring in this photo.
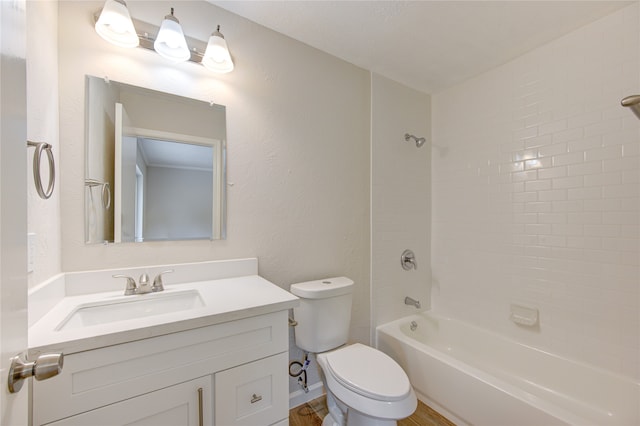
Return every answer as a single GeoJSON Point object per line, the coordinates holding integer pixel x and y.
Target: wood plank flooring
{"type": "Point", "coordinates": [312, 413]}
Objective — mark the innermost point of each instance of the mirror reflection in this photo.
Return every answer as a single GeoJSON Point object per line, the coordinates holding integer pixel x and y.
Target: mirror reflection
{"type": "Point", "coordinates": [155, 165]}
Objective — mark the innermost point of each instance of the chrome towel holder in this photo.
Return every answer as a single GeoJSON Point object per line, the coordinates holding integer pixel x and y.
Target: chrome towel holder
{"type": "Point", "coordinates": [37, 178]}
{"type": "Point", "coordinates": [106, 191]}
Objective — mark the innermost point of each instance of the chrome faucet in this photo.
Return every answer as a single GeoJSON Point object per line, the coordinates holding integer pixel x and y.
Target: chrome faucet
{"type": "Point", "coordinates": [409, 301]}
{"type": "Point", "coordinates": [144, 285]}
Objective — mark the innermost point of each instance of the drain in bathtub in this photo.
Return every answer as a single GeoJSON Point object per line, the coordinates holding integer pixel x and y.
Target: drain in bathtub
{"type": "Point", "coordinates": [413, 326]}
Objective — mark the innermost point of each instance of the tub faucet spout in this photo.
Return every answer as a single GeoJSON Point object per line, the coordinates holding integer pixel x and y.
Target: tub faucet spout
{"type": "Point", "coordinates": [409, 301]}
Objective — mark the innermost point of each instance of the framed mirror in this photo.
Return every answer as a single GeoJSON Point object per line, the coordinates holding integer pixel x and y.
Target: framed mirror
{"type": "Point", "coordinates": [155, 165]}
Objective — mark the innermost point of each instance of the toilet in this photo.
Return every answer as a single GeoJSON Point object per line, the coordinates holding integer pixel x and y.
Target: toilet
{"type": "Point", "coordinates": [365, 387]}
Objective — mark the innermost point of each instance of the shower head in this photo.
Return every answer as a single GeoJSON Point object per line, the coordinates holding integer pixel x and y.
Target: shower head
{"type": "Point", "coordinates": [632, 102]}
{"type": "Point", "coordinates": [419, 141]}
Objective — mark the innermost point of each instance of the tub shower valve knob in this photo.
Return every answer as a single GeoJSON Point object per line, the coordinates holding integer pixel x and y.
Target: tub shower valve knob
{"type": "Point", "coordinates": [408, 260]}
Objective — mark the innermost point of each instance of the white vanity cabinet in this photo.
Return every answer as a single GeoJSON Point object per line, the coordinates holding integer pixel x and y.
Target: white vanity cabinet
{"type": "Point", "coordinates": [231, 373]}
{"type": "Point", "coordinates": [247, 394]}
{"type": "Point", "coordinates": [181, 404]}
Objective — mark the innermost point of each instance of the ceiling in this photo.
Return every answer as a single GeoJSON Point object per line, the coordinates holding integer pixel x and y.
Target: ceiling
{"type": "Point", "coordinates": [177, 155]}
{"type": "Point", "coordinates": [427, 45]}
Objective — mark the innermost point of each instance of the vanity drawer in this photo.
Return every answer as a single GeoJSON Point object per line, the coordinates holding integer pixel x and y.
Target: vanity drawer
{"type": "Point", "coordinates": [182, 404]}
{"type": "Point", "coordinates": [99, 377]}
{"type": "Point", "coordinates": [253, 394]}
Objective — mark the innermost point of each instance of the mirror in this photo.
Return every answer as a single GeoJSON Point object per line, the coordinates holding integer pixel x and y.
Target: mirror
{"type": "Point", "coordinates": [154, 166]}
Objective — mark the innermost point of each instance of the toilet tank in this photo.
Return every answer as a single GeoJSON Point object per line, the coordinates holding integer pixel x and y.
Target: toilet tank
{"type": "Point", "coordinates": [324, 313]}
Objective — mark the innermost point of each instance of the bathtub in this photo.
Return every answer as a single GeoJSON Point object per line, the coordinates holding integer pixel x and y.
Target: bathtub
{"type": "Point", "coordinates": [474, 376]}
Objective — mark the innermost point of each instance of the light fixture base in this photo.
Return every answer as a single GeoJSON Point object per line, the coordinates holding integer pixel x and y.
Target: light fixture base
{"type": "Point", "coordinates": [146, 42]}
{"type": "Point", "coordinates": [145, 30]}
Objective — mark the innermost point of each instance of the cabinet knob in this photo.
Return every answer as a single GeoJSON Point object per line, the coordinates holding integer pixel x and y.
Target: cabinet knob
{"type": "Point", "coordinates": [256, 398]}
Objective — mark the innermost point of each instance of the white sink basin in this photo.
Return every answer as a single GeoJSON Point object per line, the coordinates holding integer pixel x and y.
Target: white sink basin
{"type": "Point", "coordinates": [131, 307]}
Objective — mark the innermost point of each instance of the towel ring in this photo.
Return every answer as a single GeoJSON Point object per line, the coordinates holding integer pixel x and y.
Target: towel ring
{"type": "Point", "coordinates": [37, 178]}
{"type": "Point", "coordinates": [106, 191]}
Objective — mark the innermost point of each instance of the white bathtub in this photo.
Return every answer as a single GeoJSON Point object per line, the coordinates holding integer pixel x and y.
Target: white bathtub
{"type": "Point", "coordinates": [474, 376]}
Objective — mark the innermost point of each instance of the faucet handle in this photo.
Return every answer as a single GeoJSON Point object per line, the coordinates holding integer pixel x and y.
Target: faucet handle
{"type": "Point", "coordinates": [157, 281]}
{"type": "Point", "coordinates": [131, 284]}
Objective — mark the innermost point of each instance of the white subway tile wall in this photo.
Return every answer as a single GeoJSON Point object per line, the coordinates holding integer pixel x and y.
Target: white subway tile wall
{"type": "Point", "coordinates": [536, 195]}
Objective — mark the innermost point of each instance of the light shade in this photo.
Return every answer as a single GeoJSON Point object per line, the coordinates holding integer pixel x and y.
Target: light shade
{"type": "Point", "coordinates": [115, 25]}
{"type": "Point", "coordinates": [217, 57]}
{"type": "Point", "coordinates": [170, 42]}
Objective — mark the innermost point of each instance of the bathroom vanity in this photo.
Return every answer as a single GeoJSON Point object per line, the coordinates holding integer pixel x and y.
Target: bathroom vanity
{"type": "Point", "coordinates": [219, 359]}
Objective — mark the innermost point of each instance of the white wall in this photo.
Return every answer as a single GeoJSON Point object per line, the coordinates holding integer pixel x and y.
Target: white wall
{"type": "Point", "coordinates": [178, 203]}
{"type": "Point", "coordinates": [43, 216]}
{"type": "Point", "coordinates": [297, 144]}
{"type": "Point", "coordinates": [297, 153]}
{"type": "Point", "coordinates": [400, 200]}
{"type": "Point", "coordinates": [536, 195]}
{"type": "Point", "coordinates": [197, 119]}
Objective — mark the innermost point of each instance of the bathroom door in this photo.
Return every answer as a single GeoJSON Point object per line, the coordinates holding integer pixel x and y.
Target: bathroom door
{"type": "Point", "coordinates": [13, 204]}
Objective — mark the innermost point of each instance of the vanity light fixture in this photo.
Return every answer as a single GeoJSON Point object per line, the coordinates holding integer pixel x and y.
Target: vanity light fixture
{"type": "Point", "coordinates": [170, 42]}
{"type": "Point", "coordinates": [216, 57]}
{"type": "Point", "coordinates": [115, 25]}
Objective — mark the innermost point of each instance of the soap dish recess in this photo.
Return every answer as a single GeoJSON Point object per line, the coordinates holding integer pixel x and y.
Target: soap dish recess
{"type": "Point", "coordinates": [524, 315]}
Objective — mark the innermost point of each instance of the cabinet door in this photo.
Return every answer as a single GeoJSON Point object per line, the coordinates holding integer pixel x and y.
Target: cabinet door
{"type": "Point", "coordinates": [100, 377]}
{"type": "Point", "coordinates": [253, 394]}
{"type": "Point", "coordinates": [188, 404]}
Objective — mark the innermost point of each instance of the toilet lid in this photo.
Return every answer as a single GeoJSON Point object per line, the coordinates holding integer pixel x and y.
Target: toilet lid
{"type": "Point", "coordinates": [369, 372]}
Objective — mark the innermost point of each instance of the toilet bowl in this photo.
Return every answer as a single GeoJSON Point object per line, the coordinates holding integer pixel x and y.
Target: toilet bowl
{"type": "Point", "coordinates": [370, 385]}
{"type": "Point", "coordinates": [365, 387]}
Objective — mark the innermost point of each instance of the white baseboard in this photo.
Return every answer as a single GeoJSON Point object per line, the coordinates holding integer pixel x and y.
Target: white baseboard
{"type": "Point", "coordinates": [299, 397]}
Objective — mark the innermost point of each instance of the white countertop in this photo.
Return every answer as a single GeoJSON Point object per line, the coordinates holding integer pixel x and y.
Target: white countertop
{"type": "Point", "coordinates": [224, 300]}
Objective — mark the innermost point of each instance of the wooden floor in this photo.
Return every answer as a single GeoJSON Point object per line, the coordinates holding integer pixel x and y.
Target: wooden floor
{"type": "Point", "coordinates": [312, 413]}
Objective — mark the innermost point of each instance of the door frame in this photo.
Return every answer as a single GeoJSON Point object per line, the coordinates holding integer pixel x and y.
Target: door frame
{"type": "Point", "coordinates": [13, 204]}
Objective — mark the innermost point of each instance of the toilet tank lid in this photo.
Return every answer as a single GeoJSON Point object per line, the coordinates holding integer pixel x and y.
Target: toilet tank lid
{"type": "Point", "coordinates": [320, 289]}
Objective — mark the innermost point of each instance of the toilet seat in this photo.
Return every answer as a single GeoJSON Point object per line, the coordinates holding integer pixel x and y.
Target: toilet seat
{"type": "Point", "coordinates": [368, 372]}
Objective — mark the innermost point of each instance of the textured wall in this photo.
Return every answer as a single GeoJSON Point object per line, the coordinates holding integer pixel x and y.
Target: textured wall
{"type": "Point", "coordinates": [536, 195]}
{"type": "Point", "coordinates": [42, 126]}
{"type": "Point", "coordinates": [298, 148]}
{"type": "Point", "coordinates": [298, 142]}
{"type": "Point", "coordinates": [401, 198]}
